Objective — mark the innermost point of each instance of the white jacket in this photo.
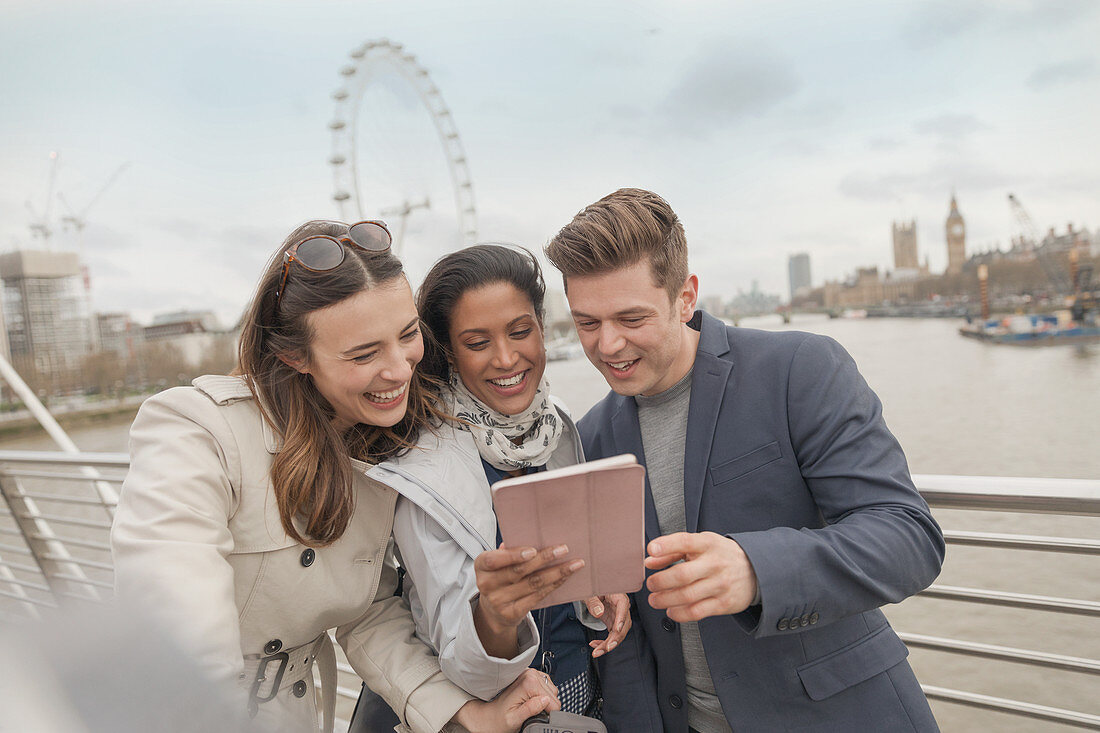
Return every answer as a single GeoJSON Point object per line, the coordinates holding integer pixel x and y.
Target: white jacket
{"type": "Point", "coordinates": [444, 519]}
{"type": "Point", "coordinates": [197, 542]}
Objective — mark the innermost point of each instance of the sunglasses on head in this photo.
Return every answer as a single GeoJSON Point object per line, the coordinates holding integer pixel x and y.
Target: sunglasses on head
{"type": "Point", "coordinates": [321, 253]}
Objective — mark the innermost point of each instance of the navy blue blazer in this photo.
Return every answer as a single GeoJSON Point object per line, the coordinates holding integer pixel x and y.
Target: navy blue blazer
{"type": "Point", "coordinates": [787, 453]}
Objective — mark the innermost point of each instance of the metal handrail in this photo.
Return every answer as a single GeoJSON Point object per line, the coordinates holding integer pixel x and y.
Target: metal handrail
{"type": "Point", "coordinates": [53, 458]}
{"type": "Point", "coordinates": [1014, 600]}
{"type": "Point", "coordinates": [84, 581]}
{"type": "Point", "coordinates": [64, 520]}
{"type": "Point", "coordinates": [14, 549]}
{"type": "Point", "coordinates": [1015, 707]}
{"type": "Point", "coordinates": [90, 544]}
{"type": "Point", "coordinates": [64, 577]}
{"type": "Point", "coordinates": [54, 475]}
{"type": "Point", "coordinates": [76, 500]}
{"type": "Point", "coordinates": [1001, 541]}
{"type": "Point", "coordinates": [21, 567]}
{"type": "Point", "coordinates": [1080, 497]}
{"type": "Point", "coordinates": [1002, 653]}
{"type": "Point", "coordinates": [26, 599]}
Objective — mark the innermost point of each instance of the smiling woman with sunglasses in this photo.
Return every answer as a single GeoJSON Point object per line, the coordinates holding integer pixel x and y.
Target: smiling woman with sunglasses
{"type": "Point", "coordinates": [247, 524]}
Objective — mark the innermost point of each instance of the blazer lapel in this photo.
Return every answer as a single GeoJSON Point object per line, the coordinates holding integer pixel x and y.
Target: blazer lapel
{"type": "Point", "coordinates": [708, 385]}
{"type": "Point", "coordinates": [626, 437]}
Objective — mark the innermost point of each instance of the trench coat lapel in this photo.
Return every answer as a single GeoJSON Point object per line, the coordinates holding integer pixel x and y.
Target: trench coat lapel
{"type": "Point", "coordinates": [708, 385]}
{"type": "Point", "coordinates": [626, 436]}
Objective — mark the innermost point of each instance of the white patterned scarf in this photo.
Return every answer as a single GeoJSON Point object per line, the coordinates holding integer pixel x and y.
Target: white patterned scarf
{"type": "Point", "coordinates": [539, 426]}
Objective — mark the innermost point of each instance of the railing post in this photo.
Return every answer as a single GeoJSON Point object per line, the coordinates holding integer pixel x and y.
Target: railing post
{"type": "Point", "coordinates": [107, 493]}
{"type": "Point", "coordinates": [18, 590]}
{"type": "Point", "coordinates": [43, 543]}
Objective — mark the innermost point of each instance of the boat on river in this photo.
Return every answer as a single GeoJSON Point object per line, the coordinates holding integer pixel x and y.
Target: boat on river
{"type": "Point", "coordinates": [1034, 330]}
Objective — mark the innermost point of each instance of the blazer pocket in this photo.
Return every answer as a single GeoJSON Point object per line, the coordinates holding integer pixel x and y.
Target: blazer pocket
{"type": "Point", "coordinates": [859, 661]}
{"type": "Point", "coordinates": [751, 461]}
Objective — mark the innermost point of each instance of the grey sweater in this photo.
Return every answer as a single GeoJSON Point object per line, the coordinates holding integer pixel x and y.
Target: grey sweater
{"type": "Point", "coordinates": [663, 421]}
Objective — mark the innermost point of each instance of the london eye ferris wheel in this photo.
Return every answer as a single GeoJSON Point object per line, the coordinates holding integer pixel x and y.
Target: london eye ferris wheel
{"type": "Point", "coordinates": [385, 163]}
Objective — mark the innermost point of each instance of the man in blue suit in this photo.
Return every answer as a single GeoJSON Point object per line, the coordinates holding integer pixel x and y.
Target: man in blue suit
{"type": "Point", "coordinates": [780, 513]}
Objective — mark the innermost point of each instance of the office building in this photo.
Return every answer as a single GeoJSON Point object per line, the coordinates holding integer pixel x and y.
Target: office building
{"type": "Point", "coordinates": [46, 315]}
{"type": "Point", "coordinates": [798, 271]}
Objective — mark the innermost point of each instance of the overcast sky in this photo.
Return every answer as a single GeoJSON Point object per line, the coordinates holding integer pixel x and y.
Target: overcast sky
{"type": "Point", "coordinates": [771, 128]}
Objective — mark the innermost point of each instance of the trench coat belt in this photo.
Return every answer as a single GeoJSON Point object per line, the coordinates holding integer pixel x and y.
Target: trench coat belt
{"type": "Point", "coordinates": [274, 668]}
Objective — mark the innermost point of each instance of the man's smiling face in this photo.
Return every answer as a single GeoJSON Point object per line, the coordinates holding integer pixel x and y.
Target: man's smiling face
{"type": "Point", "coordinates": [631, 330]}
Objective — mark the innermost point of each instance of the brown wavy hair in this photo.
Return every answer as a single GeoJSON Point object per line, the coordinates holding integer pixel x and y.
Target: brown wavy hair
{"type": "Point", "coordinates": [312, 473]}
{"type": "Point", "coordinates": [620, 230]}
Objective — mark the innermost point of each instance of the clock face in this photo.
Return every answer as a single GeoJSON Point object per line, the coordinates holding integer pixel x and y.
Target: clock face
{"type": "Point", "coordinates": [957, 229]}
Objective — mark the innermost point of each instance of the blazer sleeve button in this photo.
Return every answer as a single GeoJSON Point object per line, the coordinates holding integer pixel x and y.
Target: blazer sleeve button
{"type": "Point", "coordinates": [805, 620]}
{"type": "Point", "coordinates": [814, 617]}
{"type": "Point", "coordinates": [783, 624]}
{"type": "Point", "coordinates": [308, 556]}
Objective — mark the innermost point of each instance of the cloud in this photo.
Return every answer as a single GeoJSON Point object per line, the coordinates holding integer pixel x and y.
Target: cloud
{"type": "Point", "coordinates": [800, 147]}
{"type": "Point", "coordinates": [932, 23]}
{"type": "Point", "coordinates": [950, 127]}
{"type": "Point", "coordinates": [1046, 14]}
{"type": "Point", "coordinates": [244, 249]}
{"type": "Point", "coordinates": [1064, 72]}
{"type": "Point", "coordinates": [103, 239]}
{"type": "Point", "coordinates": [192, 229]}
{"type": "Point", "coordinates": [935, 22]}
{"type": "Point", "coordinates": [935, 180]}
{"type": "Point", "coordinates": [884, 144]}
{"type": "Point", "coordinates": [726, 86]}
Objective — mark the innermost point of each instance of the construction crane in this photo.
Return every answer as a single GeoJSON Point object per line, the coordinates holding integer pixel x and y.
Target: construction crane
{"type": "Point", "coordinates": [403, 211]}
{"type": "Point", "coordinates": [1029, 235]}
{"type": "Point", "coordinates": [1029, 240]}
{"type": "Point", "coordinates": [41, 226]}
{"type": "Point", "coordinates": [78, 221]}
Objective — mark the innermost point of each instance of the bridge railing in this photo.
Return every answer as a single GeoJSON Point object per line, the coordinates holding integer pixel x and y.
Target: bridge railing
{"type": "Point", "coordinates": [57, 510]}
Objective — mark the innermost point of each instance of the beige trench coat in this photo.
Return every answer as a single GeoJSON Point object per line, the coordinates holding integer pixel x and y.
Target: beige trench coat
{"type": "Point", "coordinates": [197, 543]}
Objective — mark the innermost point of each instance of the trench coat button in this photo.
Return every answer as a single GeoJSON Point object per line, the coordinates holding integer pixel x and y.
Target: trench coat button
{"type": "Point", "coordinates": [273, 646]}
{"type": "Point", "coordinates": [675, 701]}
{"type": "Point", "coordinates": [805, 620]}
{"type": "Point", "coordinates": [783, 623]}
{"type": "Point", "coordinates": [814, 617]}
{"type": "Point", "coordinates": [308, 556]}
{"type": "Point", "coordinates": [299, 688]}
{"type": "Point", "coordinates": [668, 624]}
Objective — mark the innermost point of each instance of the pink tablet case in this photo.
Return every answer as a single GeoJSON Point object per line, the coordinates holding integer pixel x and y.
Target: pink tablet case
{"type": "Point", "coordinates": [595, 508]}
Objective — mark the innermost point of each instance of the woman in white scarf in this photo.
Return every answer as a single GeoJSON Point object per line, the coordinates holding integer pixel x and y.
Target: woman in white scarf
{"type": "Point", "coordinates": [482, 308]}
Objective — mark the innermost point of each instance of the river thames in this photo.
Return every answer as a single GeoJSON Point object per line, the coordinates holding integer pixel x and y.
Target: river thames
{"type": "Point", "coordinates": [958, 407]}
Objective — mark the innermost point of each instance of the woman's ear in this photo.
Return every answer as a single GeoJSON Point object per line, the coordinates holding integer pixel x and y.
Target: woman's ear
{"type": "Point", "coordinates": [294, 361]}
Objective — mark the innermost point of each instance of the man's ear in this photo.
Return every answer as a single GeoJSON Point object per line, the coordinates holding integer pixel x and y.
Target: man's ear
{"type": "Point", "coordinates": [294, 361]}
{"type": "Point", "coordinates": [688, 298]}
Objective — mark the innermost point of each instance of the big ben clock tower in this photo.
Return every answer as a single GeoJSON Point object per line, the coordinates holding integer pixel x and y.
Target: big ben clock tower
{"type": "Point", "coordinates": [956, 239]}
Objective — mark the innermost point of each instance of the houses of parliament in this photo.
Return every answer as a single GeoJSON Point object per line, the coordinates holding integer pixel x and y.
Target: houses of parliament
{"type": "Point", "coordinates": [1028, 267]}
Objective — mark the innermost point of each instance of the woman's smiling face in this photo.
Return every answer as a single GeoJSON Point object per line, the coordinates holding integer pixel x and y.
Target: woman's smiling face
{"type": "Point", "coordinates": [363, 352]}
{"type": "Point", "coordinates": [497, 346]}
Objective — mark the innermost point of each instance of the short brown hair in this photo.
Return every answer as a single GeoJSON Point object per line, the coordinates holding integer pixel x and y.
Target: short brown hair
{"type": "Point", "coordinates": [620, 230]}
